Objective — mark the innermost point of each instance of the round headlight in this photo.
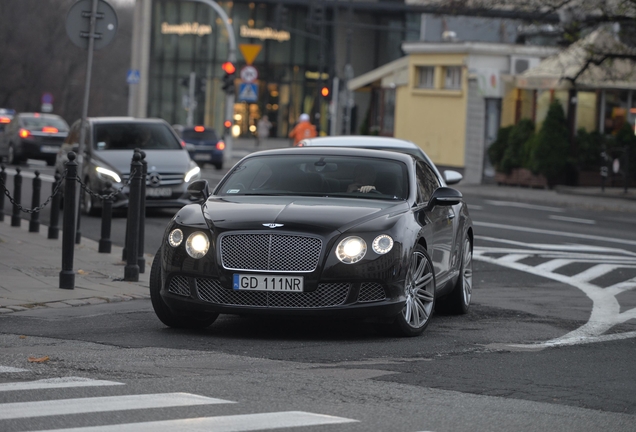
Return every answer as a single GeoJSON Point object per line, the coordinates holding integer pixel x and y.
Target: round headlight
{"type": "Point", "coordinates": [197, 244]}
{"type": "Point", "coordinates": [351, 250]}
{"type": "Point", "coordinates": [382, 244]}
{"type": "Point", "coordinates": [175, 237]}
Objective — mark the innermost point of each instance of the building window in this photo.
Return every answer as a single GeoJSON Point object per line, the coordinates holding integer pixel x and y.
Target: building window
{"type": "Point", "coordinates": [426, 77]}
{"type": "Point", "coordinates": [453, 78]}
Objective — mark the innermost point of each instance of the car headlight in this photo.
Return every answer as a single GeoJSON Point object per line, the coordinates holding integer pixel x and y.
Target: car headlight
{"type": "Point", "coordinates": [351, 250]}
{"type": "Point", "coordinates": [190, 174]}
{"type": "Point", "coordinates": [382, 244]}
{"type": "Point", "coordinates": [175, 237]}
{"type": "Point", "coordinates": [197, 244]}
{"type": "Point", "coordinates": [107, 175]}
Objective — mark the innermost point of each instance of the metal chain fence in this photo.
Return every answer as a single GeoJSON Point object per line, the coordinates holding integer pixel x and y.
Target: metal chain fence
{"type": "Point", "coordinates": [58, 185]}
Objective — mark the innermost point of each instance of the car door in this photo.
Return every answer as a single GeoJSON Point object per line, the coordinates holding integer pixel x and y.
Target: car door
{"type": "Point", "coordinates": [441, 220]}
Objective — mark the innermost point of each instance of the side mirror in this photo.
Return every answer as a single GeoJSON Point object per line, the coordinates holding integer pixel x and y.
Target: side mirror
{"type": "Point", "coordinates": [444, 196]}
{"type": "Point", "coordinates": [452, 177]}
{"type": "Point", "coordinates": [199, 190]}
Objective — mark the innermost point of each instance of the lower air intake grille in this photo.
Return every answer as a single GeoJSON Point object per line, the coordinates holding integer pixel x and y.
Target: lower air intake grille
{"type": "Point", "coordinates": [371, 292]}
{"type": "Point", "coordinates": [328, 294]}
{"type": "Point", "coordinates": [179, 285]}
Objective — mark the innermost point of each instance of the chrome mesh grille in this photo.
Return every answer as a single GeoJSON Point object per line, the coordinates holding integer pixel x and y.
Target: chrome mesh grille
{"type": "Point", "coordinates": [179, 285]}
{"type": "Point", "coordinates": [270, 252]}
{"type": "Point", "coordinates": [326, 295]}
{"type": "Point", "coordinates": [371, 292]}
{"type": "Point", "coordinates": [167, 179]}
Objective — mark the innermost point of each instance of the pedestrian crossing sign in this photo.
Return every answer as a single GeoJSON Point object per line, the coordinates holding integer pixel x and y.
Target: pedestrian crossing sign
{"type": "Point", "coordinates": [248, 92]}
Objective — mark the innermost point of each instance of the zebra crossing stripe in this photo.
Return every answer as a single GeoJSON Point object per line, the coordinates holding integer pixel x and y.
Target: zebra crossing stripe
{"type": "Point", "coordinates": [8, 369]}
{"type": "Point", "coordinates": [232, 423]}
{"type": "Point", "coordinates": [16, 410]}
{"type": "Point", "coordinates": [56, 383]}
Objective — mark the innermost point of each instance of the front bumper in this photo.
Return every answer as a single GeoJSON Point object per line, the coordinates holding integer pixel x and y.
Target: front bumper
{"type": "Point", "coordinates": [187, 294]}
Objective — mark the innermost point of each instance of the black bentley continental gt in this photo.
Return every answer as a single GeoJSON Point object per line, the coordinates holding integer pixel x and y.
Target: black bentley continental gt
{"type": "Point", "coordinates": [318, 231]}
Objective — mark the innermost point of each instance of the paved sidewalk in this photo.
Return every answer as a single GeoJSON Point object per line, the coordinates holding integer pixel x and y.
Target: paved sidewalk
{"type": "Point", "coordinates": [30, 263]}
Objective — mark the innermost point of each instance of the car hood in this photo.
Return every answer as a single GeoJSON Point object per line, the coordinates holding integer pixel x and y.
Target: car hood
{"type": "Point", "coordinates": [163, 161]}
{"type": "Point", "coordinates": [319, 215]}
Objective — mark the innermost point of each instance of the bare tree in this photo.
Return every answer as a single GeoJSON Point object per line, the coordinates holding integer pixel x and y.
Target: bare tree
{"type": "Point", "coordinates": [37, 57]}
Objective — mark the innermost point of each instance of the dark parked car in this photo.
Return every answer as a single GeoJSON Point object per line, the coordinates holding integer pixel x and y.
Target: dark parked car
{"type": "Point", "coordinates": [203, 144]}
{"type": "Point", "coordinates": [381, 143]}
{"type": "Point", "coordinates": [33, 136]}
{"type": "Point", "coordinates": [318, 231]}
{"type": "Point", "coordinates": [109, 147]}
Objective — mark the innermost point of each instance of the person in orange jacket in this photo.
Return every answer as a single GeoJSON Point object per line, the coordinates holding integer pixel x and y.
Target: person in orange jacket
{"type": "Point", "coordinates": [304, 129]}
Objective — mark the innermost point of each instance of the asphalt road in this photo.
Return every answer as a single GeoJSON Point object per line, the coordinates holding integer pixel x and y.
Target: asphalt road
{"type": "Point", "coordinates": [548, 344]}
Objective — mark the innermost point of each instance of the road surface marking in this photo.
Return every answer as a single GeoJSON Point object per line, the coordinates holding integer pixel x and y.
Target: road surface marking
{"type": "Point", "coordinates": [606, 310]}
{"type": "Point", "coordinates": [523, 205]}
{"type": "Point", "coordinates": [571, 219]}
{"type": "Point", "coordinates": [56, 383]}
{"type": "Point", "coordinates": [554, 233]}
{"type": "Point", "coordinates": [31, 175]}
{"type": "Point", "coordinates": [230, 423]}
{"type": "Point", "coordinates": [18, 410]}
{"type": "Point", "coordinates": [8, 369]}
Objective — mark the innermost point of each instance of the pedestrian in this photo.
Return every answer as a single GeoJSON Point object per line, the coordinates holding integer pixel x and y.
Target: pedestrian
{"type": "Point", "coordinates": [262, 130]}
{"type": "Point", "coordinates": [303, 129]}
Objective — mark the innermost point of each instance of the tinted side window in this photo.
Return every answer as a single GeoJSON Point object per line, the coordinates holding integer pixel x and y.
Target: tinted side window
{"type": "Point", "coordinates": [426, 182]}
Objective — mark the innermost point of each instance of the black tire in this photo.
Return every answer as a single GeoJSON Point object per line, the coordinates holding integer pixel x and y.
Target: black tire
{"type": "Point", "coordinates": [164, 314]}
{"type": "Point", "coordinates": [87, 203]}
{"type": "Point", "coordinates": [419, 287]}
{"type": "Point", "coordinates": [458, 301]}
{"type": "Point", "coordinates": [13, 158]}
{"type": "Point", "coordinates": [218, 166]}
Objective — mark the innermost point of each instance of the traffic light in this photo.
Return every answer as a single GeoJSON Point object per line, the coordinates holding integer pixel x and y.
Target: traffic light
{"type": "Point", "coordinates": [228, 78]}
{"type": "Point", "coordinates": [324, 91]}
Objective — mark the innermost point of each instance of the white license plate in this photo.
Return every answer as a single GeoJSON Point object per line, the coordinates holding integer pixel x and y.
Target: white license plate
{"type": "Point", "coordinates": [202, 157]}
{"type": "Point", "coordinates": [49, 149]}
{"type": "Point", "coordinates": [158, 192]}
{"type": "Point", "coordinates": [251, 282]}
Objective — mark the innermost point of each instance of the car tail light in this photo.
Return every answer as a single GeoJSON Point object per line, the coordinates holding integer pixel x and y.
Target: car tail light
{"type": "Point", "coordinates": [49, 129]}
{"type": "Point", "coordinates": [199, 129]}
{"type": "Point", "coordinates": [24, 133]}
{"type": "Point", "coordinates": [220, 145]}
{"type": "Point", "coordinates": [183, 144]}
{"type": "Point", "coordinates": [5, 120]}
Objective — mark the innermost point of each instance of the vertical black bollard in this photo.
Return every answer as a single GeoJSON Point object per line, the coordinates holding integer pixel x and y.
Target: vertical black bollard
{"type": "Point", "coordinates": [141, 261]}
{"type": "Point", "coordinates": [67, 275]}
{"type": "Point", "coordinates": [131, 271]}
{"type": "Point", "coordinates": [17, 198]}
{"type": "Point", "coordinates": [3, 182]}
{"type": "Point", "coordinates": [54, 229]}
{"type": "Point", "coordinates": [107, 217]}
{"type": "Point", "coordinates": [34, 223]}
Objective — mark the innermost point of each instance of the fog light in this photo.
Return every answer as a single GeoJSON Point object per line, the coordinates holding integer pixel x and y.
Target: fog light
{"type": "Point", "coordinates": [197, 244]}
{"type": "Point", "coordinates": [382, 244]}
{"type": "Point", "coordinates": [351, 250]}
{"type": "Point", "coordinates": [175, 237]}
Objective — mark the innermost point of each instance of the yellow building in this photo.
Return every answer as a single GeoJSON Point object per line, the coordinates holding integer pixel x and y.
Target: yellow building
{"type": "Point", "coordinates": [447, 98]}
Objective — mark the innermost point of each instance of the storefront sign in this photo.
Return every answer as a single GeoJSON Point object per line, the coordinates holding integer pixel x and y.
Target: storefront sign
{"type": "Point", "coordinates": [265, 33]}
{"type": "Point", "coordinates": [186, 29]}
{"type": "Point", "coordinates": [316, 75]}
{"type": "Point", "coordinates": [489, 83]}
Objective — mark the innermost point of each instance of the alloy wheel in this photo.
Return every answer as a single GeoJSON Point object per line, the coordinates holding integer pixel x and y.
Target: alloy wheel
{"type": "Point", "coordinates": [467, 272]}
{"type": "Point", "coordinates": [420, 291]}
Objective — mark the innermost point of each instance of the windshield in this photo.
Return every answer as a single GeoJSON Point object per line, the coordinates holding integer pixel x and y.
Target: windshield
{"type": "Point", "coordinates": [37, 123]}
{"type": "Point", "coordinates": [204, 135]}
{"type": "Point", "coordinates": [129, 136]}
{"type": "Point", "coordinates": [315, 175]}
